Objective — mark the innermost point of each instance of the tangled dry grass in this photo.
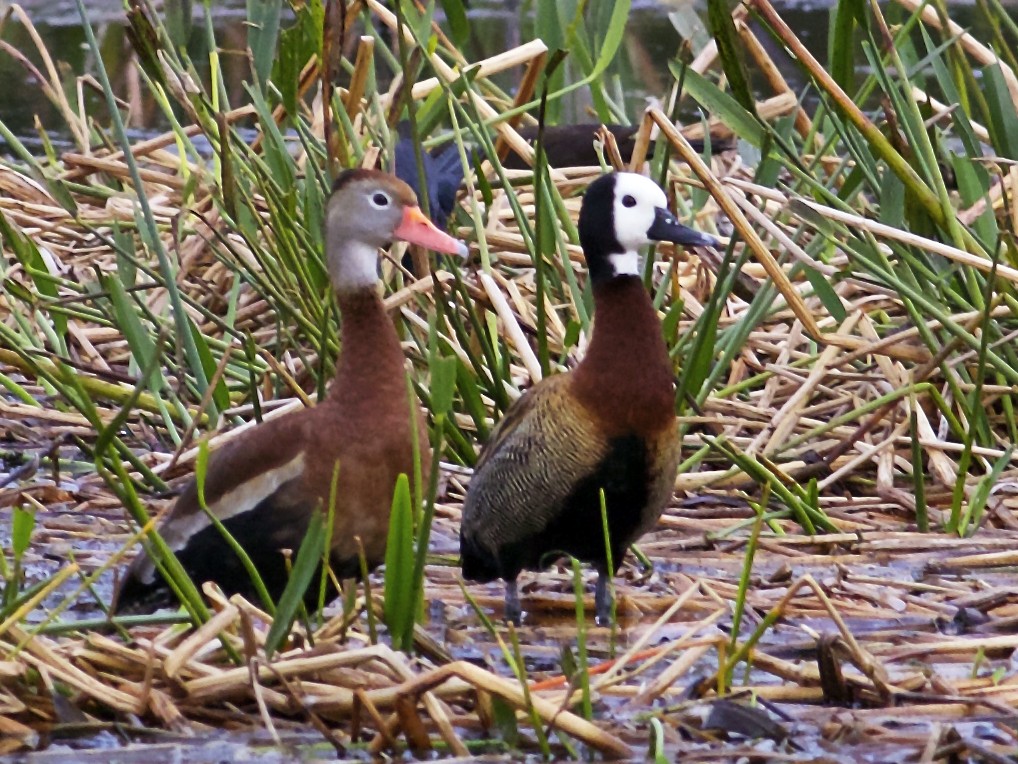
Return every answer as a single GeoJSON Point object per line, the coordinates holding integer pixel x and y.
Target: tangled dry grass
{"type": "Point", "coordinates": [871, 642]}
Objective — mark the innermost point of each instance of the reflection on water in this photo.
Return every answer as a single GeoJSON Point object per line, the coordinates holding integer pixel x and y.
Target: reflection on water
{"type": "Point", "coordinates": [641, 69]}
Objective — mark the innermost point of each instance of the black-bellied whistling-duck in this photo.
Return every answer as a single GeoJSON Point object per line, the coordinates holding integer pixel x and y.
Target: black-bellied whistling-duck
{"type": "Point", "coordinates": [265, 485]}
{"type": "Point", "coordinates": [608, 424]}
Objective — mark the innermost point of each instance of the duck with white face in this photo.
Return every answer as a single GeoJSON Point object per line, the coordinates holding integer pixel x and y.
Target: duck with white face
{"type": "Point", "coordinates": [606, 428]}
{"type": "Point", "coordinates": [265, 485]}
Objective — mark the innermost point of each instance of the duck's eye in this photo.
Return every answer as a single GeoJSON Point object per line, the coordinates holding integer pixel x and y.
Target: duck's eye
{"type": "Point", "coordinates": [380, 200]}
{"type": "Point", "coordinates": [628, 200]}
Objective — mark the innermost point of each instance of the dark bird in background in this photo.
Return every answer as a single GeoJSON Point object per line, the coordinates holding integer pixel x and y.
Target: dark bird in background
{"type": "Point", "coordinates": [443, 174]}
{"type": "Point", "coordinates": [573, 145]}
{"type": "Point", "coordinates": [265, 485]}
{"type": "Point", "coordinates": [564, 145]}
{"type": "Point", "coordinates": [607, 425]}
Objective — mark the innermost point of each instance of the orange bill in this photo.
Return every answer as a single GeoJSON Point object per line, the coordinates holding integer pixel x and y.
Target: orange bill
{"type": "Point", "coordinates": [417, 229]}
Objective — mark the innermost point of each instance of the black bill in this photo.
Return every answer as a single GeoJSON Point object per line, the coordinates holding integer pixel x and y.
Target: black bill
{"type": "Point", "coordinates": [667, 228]}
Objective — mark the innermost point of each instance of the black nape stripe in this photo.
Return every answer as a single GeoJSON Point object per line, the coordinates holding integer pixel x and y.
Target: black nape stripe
{"type": "Point", "coordinates": [597, 228]}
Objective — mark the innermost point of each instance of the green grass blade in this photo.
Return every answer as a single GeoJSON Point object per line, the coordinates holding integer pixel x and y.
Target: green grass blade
{"type": "Point", "coordinates": [657, 749]}
{"type": "Point", "coordinates": [330, 523]}
{"type": "Point", "coordinates": [842, 42]}
{"type": "Point", "coordinates": [22, 525]}
{"type": "Point", "coordinates": [31, 260]}
{"type": "Point", "coordinates": [722, 27]}
{"type": "Point", "coordinates": [200, 473]}
{"type": "Point", "coordinates": [918, 474]}
{"type": "Point", "coordinates": [220, 393]}
{"type": "Point", "coordinates": [1003, 125]}
{"type": "Point", "coordinates": [613, 37]}
{"type": "Point", "coordinates": [456, 15]}
{"type": "Point", "coordinates": [610, 563]}
{"type": "Point", "coordinates": [143, 348]}
{"type": "Point", "coordinates": [306, 563]}
{"type": "Point", "coordinates": [148, 227]}
{"type": "Point", "coordinates": [263, 20]}
{"type": "Point", "coordinates": [178, 21]}
{"type": "Point", "coordinates": [582, 673]}
{"type": "Point", "coordinates": [399, 563]}
{"type": "Point", "coordinates": [720, 104]}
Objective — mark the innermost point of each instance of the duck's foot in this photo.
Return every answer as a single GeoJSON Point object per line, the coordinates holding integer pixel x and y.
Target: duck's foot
{"type": "Point", "coordinates": [603, 598]}
{"type": "Point", "coordinates": [513, 613]}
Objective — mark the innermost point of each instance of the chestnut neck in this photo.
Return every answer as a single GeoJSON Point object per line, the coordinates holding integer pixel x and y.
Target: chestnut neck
{"type": "Point", "coordinates": [370, 375]}
{"type": "Point", "coordinates": [626, 377]}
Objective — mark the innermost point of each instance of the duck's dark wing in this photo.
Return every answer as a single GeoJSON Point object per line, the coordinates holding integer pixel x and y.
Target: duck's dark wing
{"type": "Point", "coordinates": [276, 523]}
{"type": "Point", "coordinates": [573, 145]}
{"type": "Point", "coordinates": [258, 488]}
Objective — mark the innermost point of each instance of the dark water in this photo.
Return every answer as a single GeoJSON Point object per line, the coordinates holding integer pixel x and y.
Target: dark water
{"type": "Point", "coordinates": [642, 66]}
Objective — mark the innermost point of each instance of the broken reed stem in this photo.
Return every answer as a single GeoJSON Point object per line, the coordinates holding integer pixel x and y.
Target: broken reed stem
{"type": "Point", "coordinates": [97, 388]}
{"type": "Point", "coordinates": [174, 677]}
{"type": "Point", "coordinates": [606, 743]}
{"type": "Point", "coordinates": [753, 241]}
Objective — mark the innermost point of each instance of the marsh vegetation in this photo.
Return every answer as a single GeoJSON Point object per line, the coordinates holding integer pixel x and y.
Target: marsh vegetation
{"type": "Point", "coordinates": [834, 577]}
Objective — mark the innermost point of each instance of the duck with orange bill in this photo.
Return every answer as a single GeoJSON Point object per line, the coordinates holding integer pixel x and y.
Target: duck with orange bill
{"type": "Point", "coordinates": [265, 485]}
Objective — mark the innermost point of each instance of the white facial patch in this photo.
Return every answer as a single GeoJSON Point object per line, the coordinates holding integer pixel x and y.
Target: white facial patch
{"type": "Point", "coordinates": [633, 220]}
{"type": "Point", "coordinates": [243, 498]}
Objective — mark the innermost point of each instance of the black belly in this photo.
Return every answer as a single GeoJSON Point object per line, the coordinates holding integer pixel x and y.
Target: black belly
{"type": "Point", "coordinates": [577, 528]}
{"type": "Point", "coordinates": [207, 557]}
{"type": "Point", "coordinates": [262, 532]}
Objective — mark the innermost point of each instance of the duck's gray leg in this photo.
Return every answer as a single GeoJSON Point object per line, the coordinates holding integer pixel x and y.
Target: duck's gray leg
{"type": "Point", "coordinates": [603, 598]}
{"type": "Point", "coordinates": [513, 614]}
